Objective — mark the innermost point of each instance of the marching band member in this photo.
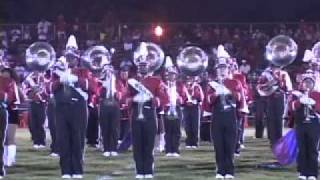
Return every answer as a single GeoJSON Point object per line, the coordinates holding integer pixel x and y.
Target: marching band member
{"type": "Point", "coordinates": [7, 97]}
{"type": "Point", "coordinates": [305, 105]}
{"type": "Point", "coordinates": [51, 116]}
{"type": "Point", "coordinates": [146, 93]}
{"type": "Point", "coordinates": [92, 133]}
{"type": "Point", "coordinates": [225, 98]}
{"type": "Point", "coordinates": [242, 116]}
{"type": "Point", "coordinates": [109, 111]}
{"type": "Point", "coordinates": [191, 112]}
{"type": "Point", "coordinates": [172, 110]}
{"type": "Point", "coordinates": [70, 87]}
{"type": "Point", "coordinates": [10, 147]}
{"type": "Point", "coordinates": [276, 98]}
{"type": "Point", "coordinates": [35, 91]}
{"type": "Point", "coordinates": [124, 111]}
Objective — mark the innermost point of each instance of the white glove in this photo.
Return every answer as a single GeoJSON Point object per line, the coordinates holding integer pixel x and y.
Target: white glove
{"type": "Point", "coordinates": [307, 100]}
{"type": "Point", "coordinates": [141, 98]}
{"type": "Point", "coordinates": [68, 78]}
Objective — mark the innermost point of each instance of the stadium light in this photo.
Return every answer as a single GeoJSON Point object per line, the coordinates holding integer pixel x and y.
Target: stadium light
{"type": "Point", "coordinates": [158, 31]}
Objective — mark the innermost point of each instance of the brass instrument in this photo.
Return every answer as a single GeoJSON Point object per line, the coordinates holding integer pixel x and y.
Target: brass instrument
{"type": "Point", "coordinates": [280, 51]}
{"type": "Point", "coordinates": [40, 56]}
{"type": "Point", "coordinates": [151, 54]}
{"type": "Point", "coordinates": [98, 60]}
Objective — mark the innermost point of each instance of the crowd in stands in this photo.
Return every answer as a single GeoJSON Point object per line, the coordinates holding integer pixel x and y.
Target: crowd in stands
{"type": "Point", "coordinates": [246, 42]}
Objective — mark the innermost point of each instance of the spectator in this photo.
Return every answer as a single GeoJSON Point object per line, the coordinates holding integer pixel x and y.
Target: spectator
{"type": "Point", "coordinates": [244, 67]}
{"type": "Point", "coordinates": [61, 27]}
{"type": "Point", "coordinates": [43, 29]}
{"type": "Point", "coordinates": [15, 35]}
{"type": "Point", "coordinates": [26, 34]}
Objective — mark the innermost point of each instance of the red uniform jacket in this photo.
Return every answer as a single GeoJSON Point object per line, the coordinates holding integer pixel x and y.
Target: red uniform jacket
{"type": "Point", "coordinates": [181, 91]}
{"type": "Point", "coordinates": [7, 90]}
{"type": "Point", "coordinates": [124, 89]}
{"type": "Point", "coordinates": [85, 81]}
{"type": "Point", "coordinates": [242, 79]}
{"type": "Point", "coordinates": [234, 86]}
{"type": "Point", "coordinates": [294, 105]}
{"type": "Point", "coordinates": [193, 93]}
{"type": "Point", "coordinates": [37, 95]}
{"type": "Point", "coordinates": [156, 86]}
{"type": "Point", "coordinates": [101, 91]}
{"type": "Point", "coordinates": [281, 76]}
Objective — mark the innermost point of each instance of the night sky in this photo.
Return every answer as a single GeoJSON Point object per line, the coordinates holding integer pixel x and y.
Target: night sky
{"type": "Point", "coordinates": [163, 10]}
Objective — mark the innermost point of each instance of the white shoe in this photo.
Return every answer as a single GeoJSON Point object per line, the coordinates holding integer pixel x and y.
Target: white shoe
{"type": "Point", "coordinates": [175, 155]}
{"type": "Point", "coordinates": [148, 176]}
{"type": "Point", "coordinates": [237, 154]}
{"type": "Point", "coordinates": [312, 178]}
{"type": "Point", "coordinates": [219, 176]}
{"type": "Point", "coordinates": [106, 154]}
{"type": "Point", "coordinates": [169, 154]}
{"type": "Point", "coordinates": [41, 146]}
{"type": "Point", "coordinates": [66, 176]}
{"type": "Point", "coordinates": [188, 147]}
{"type": "Point", "coordinates": [77, 176]}
{"type": "Point", "coordinates": [229, 176]}
{"type": "Point", "coordinates": [114, 153]}
{"type": "Point", "coordinates": [242, 146]}
{"type": "Point", "coordinates": [1, 177]}
{"type": "Point", "coordinates": [194, 147]}
{"type": "Point", "coordinates": [300, 177]}
{"type": "Point", "coordinates": [139, 176]}
{"type": "Point", "coordinates": [54, 155]}
{"type": "Point", "coordinates": [36, 146]}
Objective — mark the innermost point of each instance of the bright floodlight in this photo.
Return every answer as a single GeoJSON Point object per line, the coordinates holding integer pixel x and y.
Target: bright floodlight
{"type": "Point", "coordinates": [158, 31]}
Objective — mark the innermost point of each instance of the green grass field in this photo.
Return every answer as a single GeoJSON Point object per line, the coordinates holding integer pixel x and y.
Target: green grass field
{"type": "Point", "coordinates": [192, 165]}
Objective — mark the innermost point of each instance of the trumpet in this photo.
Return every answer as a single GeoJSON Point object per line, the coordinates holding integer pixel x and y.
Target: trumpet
{"type": "Point", "coordinates": [172, 92]}
{"type": "Point", "coordinates": [108, 81]}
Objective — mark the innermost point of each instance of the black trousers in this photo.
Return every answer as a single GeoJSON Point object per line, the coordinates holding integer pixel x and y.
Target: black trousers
{"type": "Point", "coordinates": [38, 117]}
{"type": "Point", "coordinates": [172, 134]}
{"type": "Point", "coordinates": [275, 109]}
{"type": "Point", "coordinates": [143, 138]}
{"type": "Point", "coordinates": [52, 126]}
{"type": "Point", "coordinates": [240, 131]}
{"type": "Point", "coordinates": [3, 129]}
{"type": "Point", "coordinates": [261, 105]}
{"type": "Point", "coordinates": [71, 119]}
{"type": "Point", "coordinates": [192, 122]}
{"type": "Point", "coordinates": [93, 126]}
{"type": "Point", "coordinates": [109, 118]}
{"type": "Point", "coordinates": [124, 128]}
{"type": "Point", "coordinates": [224, 134]}
{"type": "Point", "coordinates": [308, 138]}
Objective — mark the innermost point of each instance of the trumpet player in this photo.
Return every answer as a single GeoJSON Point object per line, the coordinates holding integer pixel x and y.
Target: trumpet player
{"type": "Point", "coordinates": [172, 110]}
{"type": "Point", "coordinates": [146, 93]}
{"type": "Point", "coordinates": [109, 111]}
{"type": "Point", "coordinates": [225, 99]}
{"type": "Point", "coordinates": [305, 106]}
{"type": "Point", "coordinates": [71, 85]}
{"type": "Point", "coordinates": [35, 91]}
